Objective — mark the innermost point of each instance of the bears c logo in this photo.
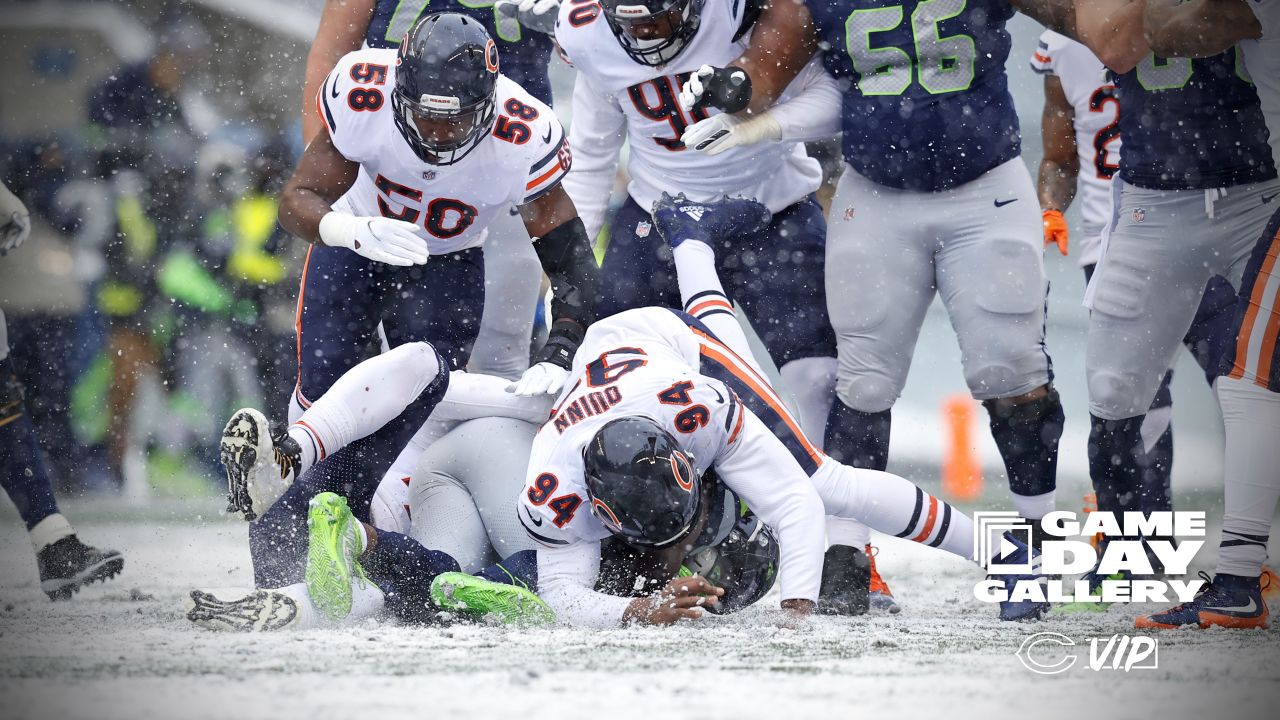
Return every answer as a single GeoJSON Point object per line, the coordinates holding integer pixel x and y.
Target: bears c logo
{"type": "Point", "coordinates": [491, 56]}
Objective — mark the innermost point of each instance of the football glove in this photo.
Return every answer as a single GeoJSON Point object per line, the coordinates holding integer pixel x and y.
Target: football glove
{"type": "Point", "coordinates": [15, 223]}
{"type": "Point", "coordinates": [539, 15]}
{"type": "Point", "coordinates": [1055, 230]}
{"type": "Point", "coordinates": [542, 378]}
{"type": "Point", "coordinates": [394, 242]}
{"type": "Point", "coordinates": [721, 132]}
{"type": "Point", "coordinates": [728, 89]}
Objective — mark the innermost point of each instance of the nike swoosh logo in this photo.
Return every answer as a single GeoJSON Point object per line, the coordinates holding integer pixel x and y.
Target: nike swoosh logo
{"type": "Point", "coordinates": [536, 520]}
{"type": "Point", "coordinates": [1266, 199]}
{"type": "Point", "coordinates": [334, 91]}
{"type": "Point", "coordinates": [717, 392]}
{"type": "Point", "coordinates": [1249, 609]}
{"type": "Point", "coordinates": [547, 139]}
{"type": "Point", "coordinates": [1002, 203]}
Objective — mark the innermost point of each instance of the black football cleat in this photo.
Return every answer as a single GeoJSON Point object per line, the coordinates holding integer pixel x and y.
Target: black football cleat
{"type": "Point", "coordinates": [846, 582]}
{"type": "Point", "coordinates": [68, 565]}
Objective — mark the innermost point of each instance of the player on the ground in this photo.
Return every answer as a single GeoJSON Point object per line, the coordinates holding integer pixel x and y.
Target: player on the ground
{"type": "Point", "coordinates": [1249, 388]}
{"type": "Point", "coordinates": [658, 399]}
{"type": "Point", "coordinates": [631, 57]}
{"type": "Point", "coordinates": [422, 148]}
{"type": "Point", "coordinates": [1081, 133]}
{"type": "Point", "coordinates": [934, 200]}
{"type": "Point", "coordinates": [65, 563]}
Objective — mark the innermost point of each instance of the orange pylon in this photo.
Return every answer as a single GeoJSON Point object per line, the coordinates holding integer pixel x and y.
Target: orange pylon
{"type": "Point", "coordinates": [961, 472]}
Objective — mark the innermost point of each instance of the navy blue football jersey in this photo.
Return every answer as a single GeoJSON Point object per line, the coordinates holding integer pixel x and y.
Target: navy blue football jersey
{"type": "Point", "coordinates": [927, 104]}
{"type": "Point", "coordinates": [523, 54]}
{"type": "Point", "coordinates": [1192, 125]}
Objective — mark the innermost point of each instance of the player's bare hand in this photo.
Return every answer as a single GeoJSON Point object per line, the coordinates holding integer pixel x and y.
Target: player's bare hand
{"type": "Point", "coordinates": [394, 242]}
{"type": "Point", "coordinates": [681, 599]}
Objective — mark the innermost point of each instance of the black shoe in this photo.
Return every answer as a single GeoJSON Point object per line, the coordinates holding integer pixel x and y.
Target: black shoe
{"type": "Point", "coordinates": [846, 582]}
{"type": "Point", "coordinates": [68, 565]}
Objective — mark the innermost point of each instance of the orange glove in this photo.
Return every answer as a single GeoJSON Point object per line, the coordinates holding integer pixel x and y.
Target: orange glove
{"type": "Point", "coordinates": [1055, 230]}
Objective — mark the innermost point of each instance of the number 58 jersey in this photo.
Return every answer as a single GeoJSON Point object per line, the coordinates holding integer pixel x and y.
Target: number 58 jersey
{"type": "Point", "coordinates": [524, 156]}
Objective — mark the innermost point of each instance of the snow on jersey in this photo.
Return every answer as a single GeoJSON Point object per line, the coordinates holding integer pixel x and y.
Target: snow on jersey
{"type": "Point", "coordinates": [524, 156]}
{"type": "Point", "coordinates": [617, 98]}
{"type": "Point", "coordinates": [1262, 59]}
{"type": "Point", "coordinates": [1097, 124]}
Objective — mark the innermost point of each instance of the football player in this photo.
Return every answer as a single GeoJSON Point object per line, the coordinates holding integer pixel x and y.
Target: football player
{"type": "Point", "coordinates": [657, 399]}
{"type": "Point", "coordinates": [1081, 133]}
{"type": "Point", "coordinates": [65, 563]}
{"type": "Point", "coordinates": [927, 123]}
{"type": "Point", "coordinates": [1219, 30]}
{"type": "Point", "coordinates": [422, 148]}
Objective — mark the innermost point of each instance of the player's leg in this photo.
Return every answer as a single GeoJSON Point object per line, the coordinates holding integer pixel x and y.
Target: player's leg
{"type": "Point", "coordinates": [512, 278]}
{"type": "Point", "coordinates": [65, 563]}
{"type": "Point", "coordinates": [637, 270]}
{"type": "Point", "coordinates": [1145, 293]}
{"type": "Point", "coordinates": [776, 277]}
{"type": "Point", "coordinates": [880, 281]}
{"type": "Point", "coordinates": [990, 276]}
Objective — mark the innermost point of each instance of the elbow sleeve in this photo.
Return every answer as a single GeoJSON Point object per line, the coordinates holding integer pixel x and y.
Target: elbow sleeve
{"type": "Point", "coordinates": [567, 258]}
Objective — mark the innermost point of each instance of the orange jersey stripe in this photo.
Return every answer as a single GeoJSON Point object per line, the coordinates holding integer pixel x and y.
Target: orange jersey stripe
{"type": "Point", "coordinates": [928, 522]}
{"type": "Point", "coordinates": [737, 427]}
{"type": "Point", "coordinates": [1251, 318]}
{"type": "Point", "coordinates": [722, 353]}
{"type": "Point", "coordinates": [555, 168]}
{"type": "Point", "coordinates": [297, 315]}
{"type": "Point", "coordinates": [714, 302]}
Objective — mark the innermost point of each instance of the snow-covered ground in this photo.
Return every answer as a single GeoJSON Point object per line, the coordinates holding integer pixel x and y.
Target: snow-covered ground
{"type": "Point", "coordinates": [124, 650]}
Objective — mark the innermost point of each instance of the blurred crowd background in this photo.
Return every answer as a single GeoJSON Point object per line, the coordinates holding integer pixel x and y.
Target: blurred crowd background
{"type": "Point", "coordinates": [156, 294]}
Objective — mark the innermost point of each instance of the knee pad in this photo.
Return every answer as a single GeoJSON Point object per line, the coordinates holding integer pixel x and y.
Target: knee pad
{"type": "Point", "coordinates": [868, 393]}
{"type": "Point", "coordinates": [1113, 396]}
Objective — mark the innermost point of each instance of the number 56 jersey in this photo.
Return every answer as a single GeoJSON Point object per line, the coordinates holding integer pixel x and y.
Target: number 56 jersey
{"type": "Point", "coordinates": [524, 155]}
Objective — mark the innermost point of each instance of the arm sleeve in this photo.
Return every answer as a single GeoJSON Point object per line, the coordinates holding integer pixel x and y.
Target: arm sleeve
{"type": "Point", "coordinates": [810, 107]}
{"type": "Point", "coordinates": [596, 137]}
{"type": "Point", "coordinates": [476, 395]}
{"type": "Point", "coordinates": [757, 466]}
{"type": "Point", "coordinates": [566, 257]}
{"type": "Point", "coordinates": [566, 578]}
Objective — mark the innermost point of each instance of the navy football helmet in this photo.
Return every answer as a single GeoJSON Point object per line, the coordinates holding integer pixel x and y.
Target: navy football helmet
{"type": "Point", "coordinates": [653, 32]}
{"type": "Point", "coordinates": [446, 87]}
{"type": "Point", "coordinates": [643, 488]}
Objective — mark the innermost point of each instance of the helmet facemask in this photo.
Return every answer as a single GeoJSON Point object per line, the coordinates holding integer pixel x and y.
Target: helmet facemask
{"type": "Point", "coordinates": [442, 146]}
{"type": "Point", "coordinates": [653, 37]}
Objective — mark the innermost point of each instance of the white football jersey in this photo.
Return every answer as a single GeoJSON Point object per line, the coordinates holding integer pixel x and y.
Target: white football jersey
{"type": "Point", "coordinates": [524, 156]}
{"type": "Point", "coordinates": [617, 99]}
{"type": "Point", "coordinates": [1262, 60]}
{"type": "Point", "coordinates": [1097, 124]}
{"type": "Point", "coordinates": [650, 362]}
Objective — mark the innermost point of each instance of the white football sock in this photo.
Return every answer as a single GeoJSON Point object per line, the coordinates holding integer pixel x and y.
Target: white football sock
{"type": "Point", "coordinates": [1251, 416]}
{"type": "Point", "coordinates": [366, 600]}
{"type": "Point", "coordinates": [308, 616]}
{"type": "Point", "coordinates": [49, 531]}
{"type": "Point", "coordinates": [1034, 507]}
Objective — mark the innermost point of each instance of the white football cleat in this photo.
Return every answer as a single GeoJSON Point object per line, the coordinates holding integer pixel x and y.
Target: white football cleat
{"type": "Point", "coordinates": [259, 470]}
{"type": "Point", "coordinates": [258, 611]}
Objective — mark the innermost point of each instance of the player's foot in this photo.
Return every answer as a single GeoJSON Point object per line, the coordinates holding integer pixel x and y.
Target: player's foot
{"type": "Point", "coordinates": [679, 218]}
{"type": "Point", "coordinates": [846, 581]}
{"type": "Point", "coordinates": [68, 565]}
{"type": "Point", "coordinates": [878, 593]}
{"type": "Point", "coordinates": [1095, 590]}
{"type": "Point", "coordinates": [1229, 601]}
{"type": "Point", "coordinates": [475, 596]}
{"type": "Point", "coordinates": [333, 550]}
{"type": "Point", "coordinates": [259, 468]}
{"type": "Point", "coordinates": [1020, 554]}
{"type": "Point", "coordinates": [259, 611]}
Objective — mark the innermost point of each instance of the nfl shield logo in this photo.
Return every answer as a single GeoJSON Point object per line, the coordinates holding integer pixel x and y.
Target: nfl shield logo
{"type": "Point", "coordinates": [428, 175]}
{"type": "Point", "coordinates": [1139, 215]}
{"type": "Point", "coordinates": [643, 228]}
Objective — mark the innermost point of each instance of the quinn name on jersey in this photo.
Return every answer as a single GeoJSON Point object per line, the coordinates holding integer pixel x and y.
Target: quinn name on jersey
{"type": "Point", "coordinates": [524, 156]}
{"type": "Point", "coordinates": [614, 91]}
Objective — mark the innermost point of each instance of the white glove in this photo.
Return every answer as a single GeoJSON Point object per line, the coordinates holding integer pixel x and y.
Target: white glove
{"type": "Point", "coordinates": [691, 91]}
{"type": "Point", "coordinates": [539, 15]}
{"type": "Point", "coordinates": [721, 132]}
{"type": "Point", "coordinates": [394, 242]}
{"type": "Point", "coordinates": [15, 223]}
{"type": "Point", "coordinates": [543, 378]}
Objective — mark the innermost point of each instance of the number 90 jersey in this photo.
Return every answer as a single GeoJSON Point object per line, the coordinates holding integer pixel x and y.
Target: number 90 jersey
{"type": "Point", "coordinates": [524, 156]}
{"type": "Point", "coordinates": [927, 106]}
{"type": "Point", "coordinates": [637, 363]}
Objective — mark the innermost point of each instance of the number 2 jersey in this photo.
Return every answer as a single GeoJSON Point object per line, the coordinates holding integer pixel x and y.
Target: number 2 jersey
{"type": "Point", "coordinates": [524, 156]}
{"type": "Point", "coordinates": [1092, 95]}
{"type": "Point", "coordinates": [926, 102]}
{"type": "Point", "coordinates": [616, 98]}
{"type": "Point", "coordinates": [664, 365]}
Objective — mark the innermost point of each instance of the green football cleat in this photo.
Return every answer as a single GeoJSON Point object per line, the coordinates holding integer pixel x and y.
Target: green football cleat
{"type": "Point", "coordinates": [475, 596]}
{"type": "Point", "coordinates": [1082, 606]}
{"type": "Point", "coordinates": [335, 543]}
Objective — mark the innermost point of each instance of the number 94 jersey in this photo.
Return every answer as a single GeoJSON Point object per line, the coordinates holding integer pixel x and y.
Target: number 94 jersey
{"type": "Point", "coordinates": [928, 106]}
{"type": "Point", "coordinates": [524, 156]}
{"type": "Point", "coordinates": [640, 362]}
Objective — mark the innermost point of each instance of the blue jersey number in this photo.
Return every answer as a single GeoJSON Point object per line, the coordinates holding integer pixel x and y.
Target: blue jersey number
{"type": "Point", "coordinates": [941, 65]}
